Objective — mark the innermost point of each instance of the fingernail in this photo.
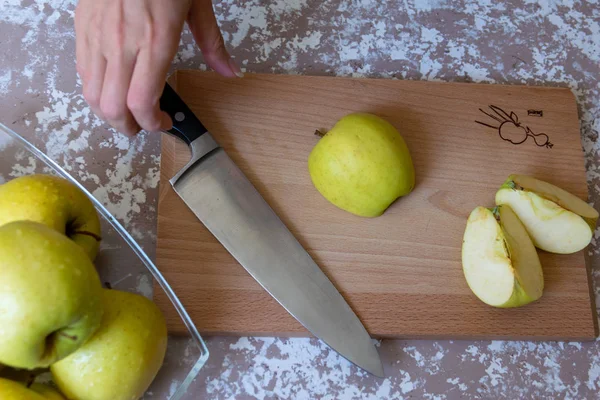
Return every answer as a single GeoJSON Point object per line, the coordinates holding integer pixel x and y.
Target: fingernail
{"type": "Point", "coordinates": [235, 68]}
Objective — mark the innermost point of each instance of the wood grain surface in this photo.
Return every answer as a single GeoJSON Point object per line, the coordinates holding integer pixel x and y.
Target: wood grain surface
{"type": "Point", "coordinates": [400, 272]}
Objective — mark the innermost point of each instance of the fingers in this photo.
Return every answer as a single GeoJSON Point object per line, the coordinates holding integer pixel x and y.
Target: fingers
{"type": "Point", "coordinates": [91, 63]}
{"type": "Point", "coordinates": [92, 88]}
{"type": "Point", "coordinates": [124, 50]}
{"type": "Point", "coordinates": [119, 69]}
{"type": "Point", "coordinates": [81, 42]}
{"type": "Point", "coordinates": [150, 73]}
{"type": "Point", "coordinates": [113, 102]}
{"type": "Point", "coordinates": [204, 27]}
{"type": "Point", "coordinates": [147, 85]}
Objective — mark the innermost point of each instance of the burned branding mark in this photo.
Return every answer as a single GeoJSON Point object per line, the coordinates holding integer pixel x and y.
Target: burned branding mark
{"type": "Point", "coordinates": [511, 130]}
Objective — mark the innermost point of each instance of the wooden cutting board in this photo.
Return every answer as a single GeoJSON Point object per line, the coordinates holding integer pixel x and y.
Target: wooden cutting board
{"type": "Point", "coordinates": [400, 272]}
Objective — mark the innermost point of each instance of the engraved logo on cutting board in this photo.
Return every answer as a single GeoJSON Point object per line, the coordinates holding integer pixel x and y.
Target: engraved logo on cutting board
{"type": "Point", "coordinates": [511, 130]}
{"type": "Point", "coordinates": [535, 113]}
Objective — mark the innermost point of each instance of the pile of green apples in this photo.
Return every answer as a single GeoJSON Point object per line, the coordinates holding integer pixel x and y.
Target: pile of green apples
{"type": "Point", "coordinates": [499, 252]}
{"type": "Point", "coordinates": [97, 343]}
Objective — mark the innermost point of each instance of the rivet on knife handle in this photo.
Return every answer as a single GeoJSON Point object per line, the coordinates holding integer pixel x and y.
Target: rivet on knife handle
{"type": "Point", "coordinates": [186, 126]}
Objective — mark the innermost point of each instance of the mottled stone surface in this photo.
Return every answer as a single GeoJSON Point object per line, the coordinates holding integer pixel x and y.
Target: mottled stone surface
{"type": "Point", "coordinates": [555, 43]}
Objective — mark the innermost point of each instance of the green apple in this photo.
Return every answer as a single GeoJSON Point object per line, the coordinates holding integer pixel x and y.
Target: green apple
{"type": "Point", "coordinates": [500, 262]}
{"type": "Point", "coordinates": [47, 392]}
{"type": "Point", "coordinates": [122, 358]}
{"type": "Point", "coordinates": [10, 390]}
{"type": "Point", "coordinates": [556, 220]}
{"type": "Point", "coordinates": [29, 378]}
{"type": "Point", "coordinates": [362, 165]}
{"type": "Point", "coordinates": [50, 295]}
{"type": "Point", "coordinates": [55, 202]}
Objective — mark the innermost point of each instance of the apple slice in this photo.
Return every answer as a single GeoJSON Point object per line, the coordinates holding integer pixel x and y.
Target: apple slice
{"type": "Point", "coordinates": [500, 263]}
{"type": "Point", "coordinates": [556, 220]}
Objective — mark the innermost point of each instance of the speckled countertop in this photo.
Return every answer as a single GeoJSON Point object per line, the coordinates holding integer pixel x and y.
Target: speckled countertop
{"type": "Point", "coordinates": [555, 42]}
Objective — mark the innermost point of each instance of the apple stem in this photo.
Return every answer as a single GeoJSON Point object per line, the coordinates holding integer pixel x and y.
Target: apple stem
{"type": "Point", "coordinates": [319, 133]}
{"type": "Point", "coordinates": [515, 186]}
{"type": "Point", "coordinates": [496, 213]}
{"type": "Point", "coordinates": [30, 380]}
{"type": "Point", "coordinates": [98, 238]}
{"type": "Point", "coordinates": [72, 337]}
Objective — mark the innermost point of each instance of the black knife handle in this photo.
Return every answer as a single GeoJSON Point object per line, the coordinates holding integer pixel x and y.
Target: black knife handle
{"type": "Point", "coordinates": [186, 126]}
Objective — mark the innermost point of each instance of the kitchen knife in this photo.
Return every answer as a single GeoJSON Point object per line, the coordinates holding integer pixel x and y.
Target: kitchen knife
{"type": "Point", "coordinates": [231, 208]}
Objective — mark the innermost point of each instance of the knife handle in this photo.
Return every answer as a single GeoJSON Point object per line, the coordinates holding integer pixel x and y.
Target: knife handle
{"type": "Point", "coordinates": [186, 126]}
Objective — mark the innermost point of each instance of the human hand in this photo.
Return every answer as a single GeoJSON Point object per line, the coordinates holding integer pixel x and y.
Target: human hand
{"type": "Point", "coordinates": [124, 50]}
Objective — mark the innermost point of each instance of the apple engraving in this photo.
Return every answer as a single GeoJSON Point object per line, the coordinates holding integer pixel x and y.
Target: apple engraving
{"type": "Point", "coordinates": [511, 130]}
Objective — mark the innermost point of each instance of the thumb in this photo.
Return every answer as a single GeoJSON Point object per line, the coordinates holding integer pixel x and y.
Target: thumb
{"type": "Point", "coordinates": [204, 27]}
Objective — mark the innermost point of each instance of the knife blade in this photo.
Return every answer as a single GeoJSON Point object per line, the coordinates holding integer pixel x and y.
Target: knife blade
{"type": "Point", "coordinates": [231, 208]}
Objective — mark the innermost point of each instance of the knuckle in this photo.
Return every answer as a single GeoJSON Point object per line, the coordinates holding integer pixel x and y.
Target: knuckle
{"type": "Point", "coordinates": [147, 29]}
{"type": "Point", "coordinates": [95, 21]}
{"type": "Point", "coordinates": [113, 44]}
{"type": "Point", "coordinates": [152, 126]}
{"type": "Point", "coordinates": [115, 37]}
{"type": "Point", "coordinates": [95, 29]}
{"type": "Point", "coordinates": [158, 35]}
{"type": "Point", "coordinates": [111, 110]}
{"type": "Point", "coordinates": [217, 46]}
{"type": "Point", "coordinates": [149, 124]}
{"type": "Point", "coordinates": [95, 39]}
{"type": "Point", "coordinates": [92, 96]}
{"type": "Point", "coordinates": [218, 42]}
{"type": "Point", "coordinates": [137, 102]}
{"type": "Point", "coordinates": [141, 107]}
